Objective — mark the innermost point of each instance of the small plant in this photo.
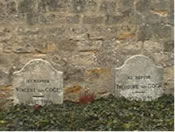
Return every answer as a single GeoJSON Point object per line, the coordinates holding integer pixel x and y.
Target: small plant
{"type": "Point", "coordinates": [87, 98]}
{"type": "Point", "coordinates": [36, 106]}
{"type": "Point", "coordinates": [107, 114]}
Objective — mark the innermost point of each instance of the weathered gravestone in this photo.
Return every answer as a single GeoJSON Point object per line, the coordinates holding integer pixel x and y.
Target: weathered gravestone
{"type": "Point", "coordinates": [138, 79]}
{"type": "Point", "coordinates": [38, 83]}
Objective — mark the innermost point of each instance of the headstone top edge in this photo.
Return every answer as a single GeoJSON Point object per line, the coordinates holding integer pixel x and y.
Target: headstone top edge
{"type": "Point", "coordinates": [36, 60]}
{"type": "Point", "coordinates": [136, 56]}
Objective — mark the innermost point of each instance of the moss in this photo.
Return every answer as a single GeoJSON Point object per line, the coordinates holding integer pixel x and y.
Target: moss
{"type": "Point", "coordinates": [103, 114]}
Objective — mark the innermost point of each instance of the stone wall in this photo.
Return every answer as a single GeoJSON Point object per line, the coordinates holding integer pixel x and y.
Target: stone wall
{"type": "Point", "coordinates": [85, 39]}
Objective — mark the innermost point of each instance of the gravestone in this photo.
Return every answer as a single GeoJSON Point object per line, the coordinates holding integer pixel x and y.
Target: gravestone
{"type": "Point", "coordinates": [138, 79]}
{"type": "Point", "coordinates": [38, 83]}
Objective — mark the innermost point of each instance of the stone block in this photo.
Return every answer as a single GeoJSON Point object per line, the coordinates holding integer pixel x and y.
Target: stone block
{"type": "Point", "coordinates": [26, 6]}
{"type": "Point", "coordinates": [78, 6]}
{"type": "Point", "coordinates": [91, 46]}
{"type": "Point", "coordinates": [153, 47]}
{"type": "Point", "coordinates": [143, 6]}
{"type": "Point", "coordinates": [154, 12]}
{"type": "Point", "coordinates": [144, 32]}
{"type": "Point", "coordinates": [163, 31]}
{"type": "Point", "coordinates": [2, 7]}
{"type": "Point", "coordinates": [83, 59]}
{"type": "Point", "coordinates": [169, 74]}
{"type": "Point", "coordinates": [125, 6]}
{"type": "Point", "coordinates": [53, 5]}
{"type": "Point", "coordinates": [99, 80]}
{"type": "Point", "coordinates": [161, 5]}
{"type": "Point", "coordinates": [108, 7]}
{"type": "Point", "coordinates": [78, 33]}
{"type": "Point", "coordinates": [7, 61]}
{"type": "Point", "coordinates": [23, 48]}
{"type": "Point", "coordinates": [11, 7]}
{"type": "Point", "coordinates": [93, 20]}
{"type": "Point", "coordinates": [73, 19]}
{"type": "Point", "coordinates": [114, 19]}
{"type": "Point", "coordinates": [168, 46]}
{"type": "Point", "coordinates": [92, 5]}
{"type": "Point", "coordinates": [1, 47]}
{"type": "Point", "coordinates": [50, 19]}
{"type": "Point", "coordinates": [169, 80]}
{"type": "Point", "coordinates": [32, 18]}
{"type": "Point", "coordinates": [4, 78]}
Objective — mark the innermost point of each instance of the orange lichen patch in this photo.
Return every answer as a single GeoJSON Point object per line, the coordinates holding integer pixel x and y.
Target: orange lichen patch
{"type": "Point", "coordinates": [51, 47]}
{"type": "Point", "coordinates": [5, 92]}
{"type": "Point", "coordinates": [126, 35]}
{"type": "Point", "coordinates": [3, 95]}
{"type": "Point", "coordinates": [97, 71]}
{"type": "Point", "coordinates": [73, 89]}
{"type": "Point", "coordinates": [6, 89]}
{"type": "Point", "coordinates": [162, 13]}
{"type": "Point", "coordinates": [169, 72]}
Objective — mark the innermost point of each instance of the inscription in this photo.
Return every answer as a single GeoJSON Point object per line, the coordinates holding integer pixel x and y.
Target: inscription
{"type": "Point", "coordinates": [127, 86]}
{"type": "Point", "coordinates": [140, 92]}
{"type": "Point", "coordinates": [47, 89]}
{"type": "Point", "coordinates": [158, 85]}
{"type": "Point", "coordinates": [139, 77]}
{"type": "Point", "coordinates": [37, 81]}
{"type": "Point", "coordinates": [38, 96]}
{"type": "Point", "coordinates": [40, 100]}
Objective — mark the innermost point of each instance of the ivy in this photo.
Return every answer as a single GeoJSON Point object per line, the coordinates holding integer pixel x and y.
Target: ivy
{"type": "Point", "coordinates": [107, 114]}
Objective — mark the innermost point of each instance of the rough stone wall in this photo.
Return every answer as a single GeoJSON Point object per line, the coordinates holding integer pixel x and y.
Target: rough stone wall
{"type": "Point", "coordinates": [85, 39]}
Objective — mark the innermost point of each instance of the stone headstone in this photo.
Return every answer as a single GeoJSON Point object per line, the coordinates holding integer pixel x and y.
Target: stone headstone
{"type": "Point", "coordinates": [138, 79]}
{"type": "Point", "coordinates": [38, 83]}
